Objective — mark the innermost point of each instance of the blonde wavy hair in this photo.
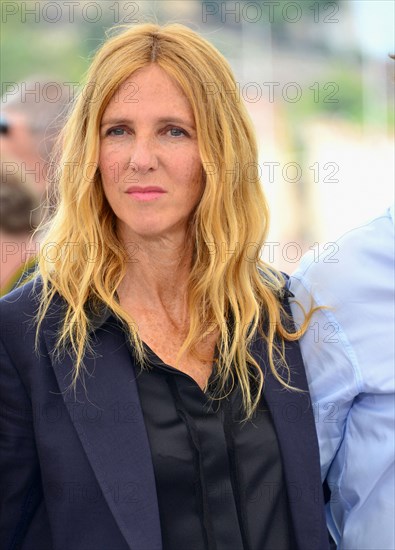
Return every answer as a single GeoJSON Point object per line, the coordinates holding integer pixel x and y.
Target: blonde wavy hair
{"type": "Point", "coordinates": [236, 293]}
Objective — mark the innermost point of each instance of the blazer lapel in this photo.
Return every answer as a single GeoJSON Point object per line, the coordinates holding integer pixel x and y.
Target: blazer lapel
{"type": "Point", "coordinates": [294, 423]}
{"type": "Point", "coordinates": [107, 415]}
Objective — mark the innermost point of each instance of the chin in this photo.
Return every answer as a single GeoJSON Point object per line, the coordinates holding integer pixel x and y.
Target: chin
{"type": "Point", "coordinates": [149, 231]}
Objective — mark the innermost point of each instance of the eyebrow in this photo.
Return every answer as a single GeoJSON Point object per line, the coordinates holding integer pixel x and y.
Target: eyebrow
{"type": "Point", "coordinates": [162, 120]}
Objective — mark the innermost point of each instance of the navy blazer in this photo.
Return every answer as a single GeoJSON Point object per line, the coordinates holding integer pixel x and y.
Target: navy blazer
{"type": "Point", "coordinates": [76, 470]}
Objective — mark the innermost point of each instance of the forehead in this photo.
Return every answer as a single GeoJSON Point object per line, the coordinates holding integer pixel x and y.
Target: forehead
{"type": "Point", "coordinates": [150, 87]}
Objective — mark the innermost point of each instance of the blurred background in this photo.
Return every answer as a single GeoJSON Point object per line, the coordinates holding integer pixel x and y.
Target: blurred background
{"type": "Point", "coordinates": [315, 77]}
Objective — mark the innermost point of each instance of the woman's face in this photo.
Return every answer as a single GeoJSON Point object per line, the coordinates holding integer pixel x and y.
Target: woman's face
{"type": "Point", "coordinates": [149, 159]}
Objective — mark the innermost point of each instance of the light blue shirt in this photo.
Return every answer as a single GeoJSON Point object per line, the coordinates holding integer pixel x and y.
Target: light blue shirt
{"type": "Point", "coordinates": [348, 351]}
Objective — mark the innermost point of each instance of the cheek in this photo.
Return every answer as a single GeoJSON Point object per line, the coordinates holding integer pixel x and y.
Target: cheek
{"type": "Point", "coordinates": [197, 177]}
{"type": "Point", "coordinates": [109, 166]}
{"type": "Point", "coordinates": [104, 163]}
{"type": "Point", "coordinates": [191, 171]}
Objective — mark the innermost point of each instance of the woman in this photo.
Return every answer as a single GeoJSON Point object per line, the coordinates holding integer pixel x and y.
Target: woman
{"type": "Point", "coordinates": [166, 404]}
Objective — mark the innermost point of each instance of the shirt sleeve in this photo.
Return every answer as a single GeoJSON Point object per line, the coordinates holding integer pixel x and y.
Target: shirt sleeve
{"type": "Point", "coordinates": [335, 381]}
{"type": "Point", "coordinates": [331, 366]}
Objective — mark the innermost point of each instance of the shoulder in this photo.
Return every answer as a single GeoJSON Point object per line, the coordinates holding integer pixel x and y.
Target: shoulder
{"type": "Point", "coordinates": [361, 257]}
{"type": "Point", "coordinates": [21, 302]}
{"type": "Point", "coordinates": [19, 310]}
{"type": "Point", "coordinates": [355, 286]}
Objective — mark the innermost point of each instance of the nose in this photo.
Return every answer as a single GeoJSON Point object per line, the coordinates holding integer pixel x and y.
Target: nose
{"type": "Point", "coordinates": [143, 156]}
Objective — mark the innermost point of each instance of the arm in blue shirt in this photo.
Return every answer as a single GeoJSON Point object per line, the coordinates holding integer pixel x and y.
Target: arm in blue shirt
{"type": "Point", "coordinates": [349, 356]}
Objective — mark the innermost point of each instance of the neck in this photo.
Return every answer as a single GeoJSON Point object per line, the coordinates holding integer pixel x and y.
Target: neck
{"type": "Point", "coordinates": [157, 273]}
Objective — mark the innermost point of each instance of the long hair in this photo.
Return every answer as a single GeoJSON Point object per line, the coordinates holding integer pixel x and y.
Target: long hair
{"type": "Point", "coordinates": [230, 289]}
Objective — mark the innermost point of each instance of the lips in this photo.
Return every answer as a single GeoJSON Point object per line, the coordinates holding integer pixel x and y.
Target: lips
{"type": "Point", "coordinates": [145, 193]}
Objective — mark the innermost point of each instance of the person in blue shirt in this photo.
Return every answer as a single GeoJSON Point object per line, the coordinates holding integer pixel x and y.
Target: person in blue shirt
{"type": "Point", "coordinates": [349, 356]}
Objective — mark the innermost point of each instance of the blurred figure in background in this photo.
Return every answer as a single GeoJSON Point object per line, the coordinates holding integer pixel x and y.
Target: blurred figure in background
{"type": "Point", "coordinates": [19, 216]}
{"type": "Point", "coordinates": [33, 114]}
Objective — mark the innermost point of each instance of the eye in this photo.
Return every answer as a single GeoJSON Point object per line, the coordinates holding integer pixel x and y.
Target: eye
{"type": "Point", "coordinates": [115, 131]}
{"type": "Point", "coordinates": [177, 132]}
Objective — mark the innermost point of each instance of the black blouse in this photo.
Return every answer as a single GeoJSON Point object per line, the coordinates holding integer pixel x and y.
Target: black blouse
{"type": "Point", "coordinates": [219, 482]}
